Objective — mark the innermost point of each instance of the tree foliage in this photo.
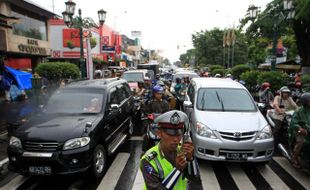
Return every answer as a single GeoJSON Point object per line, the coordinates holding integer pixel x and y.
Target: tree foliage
{"type": "Point", "coordinates": [237, 70]}
{"type": "Point", "coordinates": [250, 79]}
{"type": "Point", "coordinates": [209, 47]}
{"type": "Point", "coordinates": [57, 71]}
{"type": "Point", "coordinates": [275, 78]}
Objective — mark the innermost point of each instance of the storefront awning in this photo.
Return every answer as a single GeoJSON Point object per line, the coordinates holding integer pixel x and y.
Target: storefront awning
{"type": "Point", "coordinates": [23, 79]}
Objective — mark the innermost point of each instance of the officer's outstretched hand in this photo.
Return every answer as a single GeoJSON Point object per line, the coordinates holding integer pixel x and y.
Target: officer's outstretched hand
{"type": "Point", "coordinates": [180, 161]}
{"type": "Point", "coordinates": [188, 149]}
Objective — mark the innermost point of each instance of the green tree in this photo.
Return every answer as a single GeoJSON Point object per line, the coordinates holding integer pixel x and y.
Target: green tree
{"type": "Point", "coordinates": [209, 47]}
{"type": "Point", "coordinates": [250, 79]}
{"type": "Point", "coordinates": [237, 70]}
{"type": "Point", "coordinates": [275, 78]}
{"type": "Point", "coordinates": [295, 36]}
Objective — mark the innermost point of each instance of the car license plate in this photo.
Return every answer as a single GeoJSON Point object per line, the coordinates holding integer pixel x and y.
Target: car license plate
{"type": "Point", "coordinates": [236, 156]}
{"type": "Point", "coordinates": [40, 170]}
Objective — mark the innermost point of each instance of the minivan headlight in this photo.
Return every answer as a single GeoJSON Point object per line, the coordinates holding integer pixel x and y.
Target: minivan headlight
{"type": "Point", "coordinates": [15, 142]}
{"type": "Point", "coordinates": [76, 143]}
{"type": "Point", "coordinates": [265, 133]}
{"type": "Point", "coordinates": [205, 131]}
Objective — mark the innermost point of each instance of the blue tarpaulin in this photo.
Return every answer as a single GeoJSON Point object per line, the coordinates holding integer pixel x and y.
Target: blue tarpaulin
{"type": "Point", "coordinates": [23, 79]}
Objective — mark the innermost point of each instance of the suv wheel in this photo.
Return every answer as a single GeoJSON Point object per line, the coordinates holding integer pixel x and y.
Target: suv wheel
{"type": "Point", "coordinates": [99, 161]}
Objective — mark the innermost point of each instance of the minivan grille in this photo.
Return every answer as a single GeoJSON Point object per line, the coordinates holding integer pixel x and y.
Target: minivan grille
{"type": "Point", "coordinates": [40, 146]}
{"type": "Point", "coordinates": [238, 136]}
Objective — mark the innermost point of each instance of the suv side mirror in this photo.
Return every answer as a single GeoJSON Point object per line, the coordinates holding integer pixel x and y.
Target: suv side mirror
{"type": "Point", "coordinates": [114, 107]}
{"type": "Point", "coordinates": [188, 104]}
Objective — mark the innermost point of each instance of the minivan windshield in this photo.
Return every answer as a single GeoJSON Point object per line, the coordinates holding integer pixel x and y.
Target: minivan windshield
{"type": "Point", "coordinates": [224, 99]}
{"type": "Point", "coordinates": [75, 101]}
{"type": "Point", "coordinates": [133, 77]}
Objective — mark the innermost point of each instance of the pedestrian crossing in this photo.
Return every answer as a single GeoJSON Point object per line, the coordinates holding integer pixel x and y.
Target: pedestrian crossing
{"type": "Point", "coordinates": [221, 175]}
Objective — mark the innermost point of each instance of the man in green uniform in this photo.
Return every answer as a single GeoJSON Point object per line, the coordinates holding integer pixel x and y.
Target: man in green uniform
{"type": "Point", "coordinates": [169, 164]}
{"type": "Point", "coordinates": [299, 129]}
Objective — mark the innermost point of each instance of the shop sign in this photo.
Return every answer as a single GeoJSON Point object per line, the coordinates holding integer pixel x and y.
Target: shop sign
{"type": "Point", "coordinates": [32, 47]}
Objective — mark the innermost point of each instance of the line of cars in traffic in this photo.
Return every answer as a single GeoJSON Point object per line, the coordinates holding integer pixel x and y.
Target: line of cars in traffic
{"type": "Point", "coordinates": [88, 120]}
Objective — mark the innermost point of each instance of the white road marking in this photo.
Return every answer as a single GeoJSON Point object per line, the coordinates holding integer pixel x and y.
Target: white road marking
{"type": "Point", "coordinates": [272, 178]}
{"type": "Point", "coordinates": [240, 177]}
{"type": "Point", "coordinates": [111, 177]}
{"type": "Point", "coordinates": [208, 178]}
{"type": "Point", "coordinates": [4, 161]}
{"type": "Point", "coordinates": [139, 181]}
{"type": "Point", "coordinates": [15, 183]}
{"type": "Point", "coordinates": [301, 177]}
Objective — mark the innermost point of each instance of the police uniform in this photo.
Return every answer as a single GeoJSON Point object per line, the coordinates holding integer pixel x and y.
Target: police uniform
{"type": "Point", "coordinates": [159, 169]}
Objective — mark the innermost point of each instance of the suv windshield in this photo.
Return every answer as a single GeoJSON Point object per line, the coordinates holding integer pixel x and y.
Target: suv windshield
{"type": "Point", "coordinates": [224, 99]}
{"type": "Point", "coordinates": [75, 101]}
{"type": "Point", "coordinates": [133, 77]}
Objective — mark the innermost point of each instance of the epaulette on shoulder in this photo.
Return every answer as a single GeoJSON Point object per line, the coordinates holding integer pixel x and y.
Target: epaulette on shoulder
{"type": "Point", "coordinates": [150, 156]}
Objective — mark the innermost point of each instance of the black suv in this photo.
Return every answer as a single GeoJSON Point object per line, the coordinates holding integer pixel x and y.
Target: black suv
{"type": "Point", "coordinates": [81, 124]}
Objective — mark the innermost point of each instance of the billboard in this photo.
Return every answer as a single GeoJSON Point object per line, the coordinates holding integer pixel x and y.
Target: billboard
{"type": "Point", "coordinates": [136, 34]}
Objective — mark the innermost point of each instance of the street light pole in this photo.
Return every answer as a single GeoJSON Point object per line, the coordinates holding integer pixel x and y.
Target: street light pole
{"type": "Point", "coordinates": [82, 60]}
{"type": "Point", "coordinates": [68, 19]}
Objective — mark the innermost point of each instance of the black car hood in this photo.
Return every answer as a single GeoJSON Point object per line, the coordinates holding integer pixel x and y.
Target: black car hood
{"type": "Point", "coordinates": [59, 128]}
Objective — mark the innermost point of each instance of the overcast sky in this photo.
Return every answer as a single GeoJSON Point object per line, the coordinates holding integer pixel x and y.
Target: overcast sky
{"type": "Point", "coordinates": [164, 24]}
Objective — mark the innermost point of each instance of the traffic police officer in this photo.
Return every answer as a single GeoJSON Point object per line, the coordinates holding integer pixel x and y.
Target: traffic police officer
{"type": "Point", "coordinates": [169, 164]}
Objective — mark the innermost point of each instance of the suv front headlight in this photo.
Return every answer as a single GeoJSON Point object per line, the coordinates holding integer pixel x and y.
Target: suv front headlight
{"type": "Point", "coordinates": [76, 143]}
{"type": "Point", "coordinates": [15, 142]}
{"type": "Point", "coordinates": [204, 131]}
{"type": "Point", "coordinates": [265, 133]}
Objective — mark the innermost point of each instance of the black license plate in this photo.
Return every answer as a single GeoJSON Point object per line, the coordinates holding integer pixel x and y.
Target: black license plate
{"type": "Point", "coordinates": [40, 170]}
{"type": "Point", "coordinates": [236, 156]}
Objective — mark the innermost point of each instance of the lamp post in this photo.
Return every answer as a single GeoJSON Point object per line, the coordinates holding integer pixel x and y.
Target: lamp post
{"type": "Point", "coordinates": [68, 19]}
{"type": "Point", "coordinates": [102, 15]}
{"type": "Point", "coordinates": [287, 8]}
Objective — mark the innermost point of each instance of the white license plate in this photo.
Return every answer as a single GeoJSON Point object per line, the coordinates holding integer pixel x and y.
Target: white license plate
{"type": "Point", "coordinates": [236, 156]}
{"type": "Point", "coordinates": [40, 170]}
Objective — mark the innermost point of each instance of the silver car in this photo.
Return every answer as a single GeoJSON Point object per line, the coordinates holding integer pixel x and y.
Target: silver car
{"type": "Point", "coordinates": [226, 124]}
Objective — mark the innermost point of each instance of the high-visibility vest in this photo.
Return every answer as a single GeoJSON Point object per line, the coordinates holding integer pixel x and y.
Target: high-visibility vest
{"type": "Point", "coordinates": [166, 167]}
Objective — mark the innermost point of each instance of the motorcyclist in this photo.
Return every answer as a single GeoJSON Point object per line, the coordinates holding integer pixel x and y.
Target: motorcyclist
{"type": "Point", "coordinates": [282, 103]}
{"type": "Point", "coordinates": [148, 89]}
{"type": "Point", "coordinates": [265, 95]}
{"type": "Point", "coordinates": [140, 90]}
{"type": "Point", "coordinates": [299, 129]}
{"type": "Point", "coordinates": [217, 75]}
{"type": "Point", "coordinates": [157, 104]}
{"type": "Point", "coordinates": [179, 93]}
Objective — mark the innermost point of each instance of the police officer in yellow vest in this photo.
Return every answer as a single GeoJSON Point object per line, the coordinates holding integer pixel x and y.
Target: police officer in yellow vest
{"type": "Point", "coordinates": [170, 164]}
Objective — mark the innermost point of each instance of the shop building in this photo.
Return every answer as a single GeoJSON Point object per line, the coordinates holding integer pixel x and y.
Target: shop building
{"type": "Point", "coordinates": [24, 33]}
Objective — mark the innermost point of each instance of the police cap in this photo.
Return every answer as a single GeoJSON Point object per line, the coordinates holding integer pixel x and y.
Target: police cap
{"type": "Point", "coordinates": [172, 122]}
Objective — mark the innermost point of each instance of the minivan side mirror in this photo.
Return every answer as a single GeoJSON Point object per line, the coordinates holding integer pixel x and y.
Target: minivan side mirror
{"type": "Point", "coordinates": [188, 104]}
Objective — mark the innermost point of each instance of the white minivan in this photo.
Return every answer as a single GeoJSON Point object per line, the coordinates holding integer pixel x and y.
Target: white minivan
{"type": "Point", "coordinates": [226, 124]}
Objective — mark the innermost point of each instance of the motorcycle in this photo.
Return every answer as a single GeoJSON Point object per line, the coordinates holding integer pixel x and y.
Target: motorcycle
{"type": "Point", "coordinates": [282, 133]}
{"type": "Point", "coordinates": [304, 157]}
{"type": "Point", "coordinates": [150, 131]}
{"type": "Point", "coordinates": [283, 144]}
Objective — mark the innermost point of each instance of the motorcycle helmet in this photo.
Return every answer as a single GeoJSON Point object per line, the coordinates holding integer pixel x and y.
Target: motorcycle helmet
{"type": "Point", "coordinates": [158, 89]}
{"type": "Point", "coordinates": [298, 84]}
{"type": "Point", "coordinates": [285, 89]}
{"type": "Point", "coordinates": [217, 75]}
{"type": "Point", "coordinates": [266, 85]}
{"type": "Point", "coordinates": [305, 98]}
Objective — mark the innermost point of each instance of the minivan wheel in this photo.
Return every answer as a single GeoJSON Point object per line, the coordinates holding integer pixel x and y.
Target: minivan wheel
{"type": "Point", "coordinates": [99, 161]}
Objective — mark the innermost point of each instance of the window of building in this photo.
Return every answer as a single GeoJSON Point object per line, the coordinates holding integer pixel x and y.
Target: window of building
{"type": "Point", "coordinates": [29, 25]}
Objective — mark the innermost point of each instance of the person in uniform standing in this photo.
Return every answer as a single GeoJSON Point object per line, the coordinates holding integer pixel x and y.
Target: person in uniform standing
{"type": "Point", "coordinates": [169, 164]}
